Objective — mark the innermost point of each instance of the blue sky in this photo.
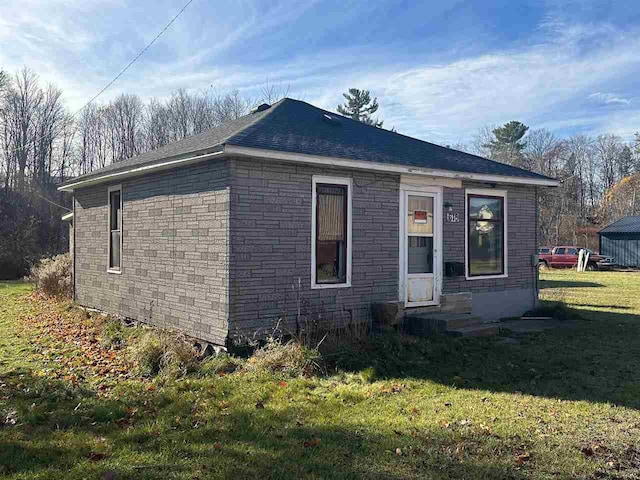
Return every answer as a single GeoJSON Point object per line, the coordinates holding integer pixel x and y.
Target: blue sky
{"type": "Point", "coordinates": [440, 70]}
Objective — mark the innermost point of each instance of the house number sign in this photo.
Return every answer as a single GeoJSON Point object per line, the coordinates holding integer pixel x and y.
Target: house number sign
{"type": "Point", "coordinates": [453, 217]}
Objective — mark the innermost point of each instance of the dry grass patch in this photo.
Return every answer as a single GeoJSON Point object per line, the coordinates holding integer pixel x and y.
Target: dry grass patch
{"type": "Point", "coordinates": [52, 276]}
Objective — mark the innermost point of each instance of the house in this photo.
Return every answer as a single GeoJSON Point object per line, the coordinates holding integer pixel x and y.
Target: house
{"type": "Point", "coordinates": [296, 209]}
{"type": "Point", "coordinates": [621, 240]}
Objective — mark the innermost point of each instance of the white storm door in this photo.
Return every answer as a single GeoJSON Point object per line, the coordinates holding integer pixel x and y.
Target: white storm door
{"type": "Point", "coordinates": [421, 248]}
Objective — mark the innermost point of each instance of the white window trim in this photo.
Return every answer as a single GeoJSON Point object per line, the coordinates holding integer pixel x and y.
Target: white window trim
{"type": "Point", "coordinates": [491, 193]}
{"type": "Point", "coordinates": [114, 188]}
{"type": "Point", "coordinates": [334, 181]}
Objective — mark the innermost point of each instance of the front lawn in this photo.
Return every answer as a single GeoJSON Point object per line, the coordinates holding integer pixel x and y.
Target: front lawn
{"type": "Point", "coordinates": [558, 404]}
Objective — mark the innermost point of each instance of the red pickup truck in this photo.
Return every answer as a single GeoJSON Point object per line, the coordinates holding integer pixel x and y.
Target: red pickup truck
{"type": "Point", "coordinates": [567, 257]}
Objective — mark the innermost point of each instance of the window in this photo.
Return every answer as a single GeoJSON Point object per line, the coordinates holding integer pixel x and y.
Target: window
{"type": "Point", "coordinates": [115, 230]}
{"type": "Point", "coordinates": [486, 234]}
{"type": "Point", "coordinates": [559, 251]}
{"type": "Point", "coordinates": [544, 250]}
{"type": "Point", "coordinates": [331, 232]}
{"type": "Point", "coordinates": [572, 251]}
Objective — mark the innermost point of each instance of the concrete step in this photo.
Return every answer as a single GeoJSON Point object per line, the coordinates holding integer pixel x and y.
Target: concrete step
{"type": "Point", "coordinates": [426, 324]}
{"type": "Point", "coordinates": [482, 330]}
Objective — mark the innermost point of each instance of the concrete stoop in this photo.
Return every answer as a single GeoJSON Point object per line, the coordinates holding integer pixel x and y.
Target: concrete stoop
{"type": "Point", "coordinates": [454, 324]}
{"type": "Point", "coordinates": [452, 317]}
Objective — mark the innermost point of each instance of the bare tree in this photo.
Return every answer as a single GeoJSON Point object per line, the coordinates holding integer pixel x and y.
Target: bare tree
{"type": "Point", "coordinates": [156, 125]}
{"type": "Point", "coordinates": [230, 106]}
{"type": "Point", "coordinates": [19, 117]}
{"type": "Point", "coordinates": [609, 151]}
{"type": "Point", "coordinates": [481, 139]}
{"type": "Point", "coordinates": [272, 92]}
{"type": "Point", "coordinates": [124, 125]}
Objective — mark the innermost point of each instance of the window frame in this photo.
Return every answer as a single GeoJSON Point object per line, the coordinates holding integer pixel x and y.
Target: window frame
{"type": "Point", "coordinates": [340, 181]}
{"type": "Point", "coordinates": [486, 192]}
{"type": "Point", "coordinates": [110, 190]}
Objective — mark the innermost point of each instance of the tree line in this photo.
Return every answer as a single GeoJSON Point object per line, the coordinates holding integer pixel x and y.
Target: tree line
{"type": "Point", "coordinates": [43, 143]}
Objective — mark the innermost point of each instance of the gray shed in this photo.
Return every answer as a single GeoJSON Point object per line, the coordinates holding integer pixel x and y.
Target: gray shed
{"type": "Point", "coordinates": [621, 240]}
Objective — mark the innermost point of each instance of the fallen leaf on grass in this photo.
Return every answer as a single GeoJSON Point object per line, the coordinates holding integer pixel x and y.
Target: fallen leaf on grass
{"type": "Point", "coordinates": [96, 456]}
{"type": "Point", "coordinates": [522, 457]}
{"type": "Point", "coordinates": [314, 442]}
{"type": "Point", "coordinates": [593, 448]}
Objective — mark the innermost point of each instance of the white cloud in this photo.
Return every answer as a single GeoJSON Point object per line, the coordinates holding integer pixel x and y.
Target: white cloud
{"type": "Point", "coordinates": [608, 98]}
{"type": "Point", "coordinates": [539, 85]}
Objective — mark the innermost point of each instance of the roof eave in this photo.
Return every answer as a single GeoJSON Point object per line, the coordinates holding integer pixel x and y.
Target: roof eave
{"type": "Point", "coordinates": [207, 154]}
{"type": "Point", "coordinates": [134, 171]}
{"type": "Point", "coordinates": [385, 167]}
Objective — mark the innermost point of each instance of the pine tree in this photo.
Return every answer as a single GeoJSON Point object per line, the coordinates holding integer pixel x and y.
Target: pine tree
{"type": "Point", "coordinates": [360, 107]}
{"type": "Point", "coordinates": [507, 144]}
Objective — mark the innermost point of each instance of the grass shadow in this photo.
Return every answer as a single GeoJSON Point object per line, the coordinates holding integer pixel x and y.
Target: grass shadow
{"type": "Point", "coordinates": [568, 284]}
{"type": "Point", "coordinates": [597, 360]}
{"type": "Point", "coordinates": [169, 438]}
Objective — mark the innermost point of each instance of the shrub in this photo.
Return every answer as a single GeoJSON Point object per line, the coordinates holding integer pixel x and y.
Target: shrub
{"type": "Point", "coordinates": [290, 358]}
{"type": "Point", "coordinates": [112, 334]}
{"type": "Point", "coordinates": [222, 363]}
{"type": "Point", "coordinates": [52, 276]}
{"type": "Point", "coordinates": [163, 351]}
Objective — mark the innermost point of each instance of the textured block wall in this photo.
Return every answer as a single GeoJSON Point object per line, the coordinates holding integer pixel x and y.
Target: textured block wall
{"type": "Point", "coordinates": [175, 259]}
{"type": "Point", "coordinates": [271, 246]}
{"type": "Point", "coordinates": [224, 247]}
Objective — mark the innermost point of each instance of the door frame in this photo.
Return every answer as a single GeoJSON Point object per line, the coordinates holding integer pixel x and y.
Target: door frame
{"type": "Point", "coordinates": [436, 192]}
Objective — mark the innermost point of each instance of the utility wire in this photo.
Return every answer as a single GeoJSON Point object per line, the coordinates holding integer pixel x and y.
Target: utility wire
{"type": "Point", "coordinates": [119, 74]}
{"type": "Point", "coordinates": [136, 58]}
{"type": "Point", "coordinates": [53, 203]}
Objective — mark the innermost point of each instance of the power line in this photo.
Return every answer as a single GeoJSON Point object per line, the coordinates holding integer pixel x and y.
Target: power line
{"type": "Point", "coordinates": [136, 58]}
{"type": "Point", "coordinates": [142, 52]}
{"type": "Point", "coordinates": [53, 203]}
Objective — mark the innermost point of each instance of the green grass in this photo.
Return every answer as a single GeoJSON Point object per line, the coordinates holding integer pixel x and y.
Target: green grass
{"type": "Point", "coordinates": [557, 404]}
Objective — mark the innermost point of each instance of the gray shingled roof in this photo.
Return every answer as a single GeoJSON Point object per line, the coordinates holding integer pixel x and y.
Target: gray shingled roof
{"type": "Point", "coordinates": [297, 127]}
{"type": "Point", "coordinates": [624, 225]}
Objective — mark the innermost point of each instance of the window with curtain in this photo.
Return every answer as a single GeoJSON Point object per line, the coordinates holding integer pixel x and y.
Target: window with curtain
{"type": "Point", "coordinates": [485, 225]}
{"type": "Point", "coordinates": [331, 233]}
{"type": "Point", "coordinates": [115, 229]}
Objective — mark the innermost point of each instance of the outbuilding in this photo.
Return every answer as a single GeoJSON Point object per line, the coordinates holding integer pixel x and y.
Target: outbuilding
{"type": "Point", "coordinates": [621, 240]}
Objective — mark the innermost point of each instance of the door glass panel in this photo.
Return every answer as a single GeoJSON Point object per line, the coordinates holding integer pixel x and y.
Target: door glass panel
{"type": "Point", "coordinates": [420, 255]}
{"type": "Point", "coordinates": [420, 212]}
